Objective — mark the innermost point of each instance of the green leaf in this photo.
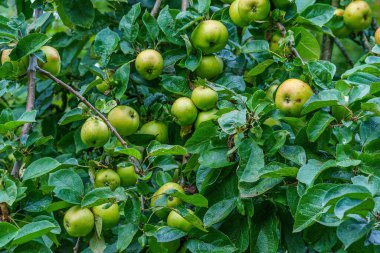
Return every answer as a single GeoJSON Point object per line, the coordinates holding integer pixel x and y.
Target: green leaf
{"type": "Point", "coordinates": [324, 98]}
{"type": "Point", "coordinates": [203, 6]}
{"type": "Point", "coordinates": [318, 124]}
{"type": "Point", "coordinates": [33, 230]}
{"type": "Point", "coordinates": [40, 167]}
{"type": "Point", "coordinates": [26, 117]}
{"type": "Point", "coordinates": [168, 234]}
{"type": "Point", "coordinates": [7, 233]}
{"type": "Point", "coordinates": [79, 12]}
{"type": "Point", "coordinates": [28, 45]}
{"type": "Point", "coordinates": [295, 154]}
{"type": "Point", "coordinates": [68, 185]}
{"type": "Point", "coordinates": [351, 230]}
{"type": "Point", "coordinates": [219, 211]}
{"type": "Point", "coordinates": [307, 45]}
{"type": "Point", "coordinates": [260, 68]}
{"type": "Point", "coordinates": [309, 172]}
{"type": "Point", "coordinates": [128, 151]}
{"type": "Point", "coordinates": [176, 84]}
{"type": "Point", "coordinates": [194, 199]}
{"type": "Point", "coordinates": [318, 14]}
{"type": "Point", "coordinates": [215, 158]}
{"type": "Point", "coordinates": [322, 73]}
{"type": "Point", "coordinates": [347, 206]}
{"type": "Point", "coordinates": [71, 116]}
{"type": "Point", "coordinates": [344, 191]}
{"type": "Point", "coordinates": [125, 236]}
{"type": "Point", "coordinates": [106, 41]}
{"type": "Point", "coordinates": [151, 25]}
{"type": "Point", "coordinates": [267, 236]}
{"type": "Point", "coordinates": [303, 4]}
{"type": "Point", "coordinates": [97, 197]}
{"type": "Point", "coordinates": [164, 149]}
{"type": "Point", "coordinates": [231, 121]}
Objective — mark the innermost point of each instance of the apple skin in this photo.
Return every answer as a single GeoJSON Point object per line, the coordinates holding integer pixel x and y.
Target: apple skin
{"type": "Point", "coordinates": [184, 111]}
{"type": "Point", "coordinates": [156, 128]}
{"type": "Point", "coordinates": [128, 176]}
{"type": "Point", "coordinates": [210, 36]}
{"type": "Point", "coordinates": [177, 221]}
{"type": "Point", "coordinates": [204, 98]}
{"type": "Point", "coordinates": [282, 4]}
{"type": "Point", "coordinates": [377, 36]}
{"type": "Point", "coordinates": [171, 201]}
{"type": "Point", "coordinates": [163, 247]}
{"type": "Point", "coordinates": [21, 65]}
{"type": "Point", "coordinates": [291, 95]}
{"type": "Point", "coordinates": [149, 64]}
{"type": "Point", "coordinates": [78, 221]}
{"type": "Point", "coordinates": [105, 84]}
{"type": "Point", "coordinates": [53, 60]}
{"type": "Point", "coordinates": [271, 91]}
{"type": "Point", "coordinates": [210, 67]}
{"type": "Point", "coordinates": [358, 16]}
{"type": "Point", "coordinates": [107, 177]}
{"type": "Point", "coordinates": [125, 119]}
{"type": "Point", "coordinates": [206, 116]}
{"type": "Point", "coordinates": [94, 132]}
{"type": "Point", "coordinates": [275, 41]}
{"type": "Point", "coordinates": [235, 16]}
{"type": "Point", "coordinates": [110, 216]}
{"type": "Point", "coordinates": [254, 10]}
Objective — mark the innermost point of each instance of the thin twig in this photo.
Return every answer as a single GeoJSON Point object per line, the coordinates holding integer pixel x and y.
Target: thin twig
{"type": "Point", "coordinates": [156, 8]}
{"type": "Point", "coordinates": [133, 160]}
{"type": "Point", "coordinates": [184, 5]}
{"type": "Point", "coordinates": [76, 247]}
{"type": "Point", "coordinates": [327, 44]}
{"type": "Point", "coordinates": [282, 29]}
{"type": "Point", "coordinates": [374, 24]}
{"type": "Point", "coordinates": [365, 42]}
{"type": "Point", "coordinates": [339, 44]}
{"type": "Point", "coordinates": [4, 212]}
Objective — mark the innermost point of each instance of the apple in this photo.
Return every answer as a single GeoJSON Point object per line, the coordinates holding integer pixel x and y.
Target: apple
{"type": "Point", "coordinates": [128, 176]}
{"type": "Point", "coordinates": [163, 247]}
{"type": "Point", "coordinates": [235, 15]}
{"type": "Point", "coordinates": [343, 31]}
{"type": "Point", "coordinates": [149, 64]}
{"type": "Point", "coordinates": [125, 119]}
{"type": "Point", "coordinates": [275, 41]}
{"type": "Point", "coordinates": [271, 122]}
{"type": "Point", "coordinates": [210, 36]}
{"type": "Point", "coordinates": [206, 116]}
{"type": "Point", "coordinates": [105, 84]}
{"type": "Point", "coordinates": [291, 95]}
{"type": "Point", "coordinates": [107, 177]}
{"type": "Point", "coordinates": [204, 98]}
{"type": "Point", "coordinates": [358, 16]}
{"type": "Point", "coordinates": [52, 62]}
{"type": "Point", "coordinates": [271, 91]}
{"type": "Point", "coordinates": [282, 4]}
{"type": "Point", "coordinates": [184, 111]}
{"type": "Point", "coordinates": [94, 132]}
{"type": "Point", "coordinates": [19, 67]}
{"type": "Point", "coordinates": [177, 221]}
{"type": "Point", "coordinates": [78, 221]}
{"type": "Point", "coordinates": [158, 129]}
{"type": "Point", "coordinates": [210, 67]}
{"type": "Point", "coordinates": [110, 216]}
{"type": "Point", "coordinates": [377, 36]}
{"type": "Point", "coordinates": [164, 200]}
{"type": "Point", "coordinates": [254, 10]}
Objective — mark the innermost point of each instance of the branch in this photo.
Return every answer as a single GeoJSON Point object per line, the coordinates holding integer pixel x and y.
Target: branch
{"type": "Point", "coordinates": [327, 45]}
{"type": "Point", "coordinates": [76, 247]}
{"type": "Point", "coordinates": [339, 44]}
{"type": "Point", "coordinates": [156, 8]}
{"type": "Point", "coordinates": [374, 24]}
{"type": "Point", "coordinates": [282, 29]}
{"type": "Point", "coordinates": [184, 5]}
{"type": "Point", "coordinates": [365, 42]}
{"type": "Point", "coordinates": [133, 160]}
{"type": "Point", "coordinates": [4, 212]}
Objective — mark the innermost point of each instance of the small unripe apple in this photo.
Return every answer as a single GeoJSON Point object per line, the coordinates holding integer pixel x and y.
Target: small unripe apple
{"type": "Point", "coordinates": [210, 36]}
{"type": "Point", "coordinates": [358, 16]}
{"type": "Point", "coordinates": [149, 64]}
{"type": "Point", "coordinates": [125, 119]}
{"type": "Point", "coordinates": [275, 41]}
{"type": "Point", "coordinates": [204, 98]}
{"type": "Point", "coordinates": [105, 84]}
{"type": "Point", "coordinates": [52, 62]}
{"type": "Point", "coordinates": [377, 36]}
{"type": "Point", "coordinates": [78, 221]}
{"type": "Point", "coordinates": [291, 95]}
{"type": "Point", "coordinates": [107, 177]}
{"type": "Point", "coordinates": [184, 111]}
{"type": "Point", "coordinates": [177, 221]}
{"type": "Point", "coordinates": [110, 216]}
{"type": "Point", "coordinates": [19, 67]}
{"type": "Point", "coordinates": [156, 128]}
{"type": "Point", "coordinates": [128, 176]}
{"type": "Point", "coordinates": [254, 10]}
{"type": "Point", "coordinates": [206, 116]}
{"type": "Point", "coordinates": [170, 201]}
{"type": "Point", "coordinates": [210, 67]}
{"type": "Point", "coordinates": [235, 15]}
{"type": "Point", "coordinates": [94, 132]}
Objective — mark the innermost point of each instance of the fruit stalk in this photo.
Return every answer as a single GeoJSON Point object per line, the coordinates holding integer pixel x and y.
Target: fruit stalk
{"type": "Point", "coordinates": [156, 8]}
{"type": "Point", "coordinates": [282, 29]}
{"type": "Point", "coordinates": [133, 160]}
{"type": "Point", "coordinates": [341, 47]}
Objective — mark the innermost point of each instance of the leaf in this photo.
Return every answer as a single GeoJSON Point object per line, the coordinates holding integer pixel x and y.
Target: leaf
{"type": "Point", "coordinates": [251, 161]}
{"type": "Point", "coordinates": [219, 211]}
{"type": "Point", "coordinates": [68, 185]}
{"type": "Point", "coordinates": [267, 236]}
{"type": "Point", "coordinates": [324, 98]}
{"type": "Point", "coordinates": [168, 234]}
{"type": "Point", "coordinates": [151, 25]}
{"type": "Point", "coordinates": [318, 14]}
{"type": "Point", "coordinates": [309, 172]}
{"type": "Point", "coordinates": [347, 206]}
{"type": "Point", "coordinates": [125, 236]}
{"type": "Point", "coordinates": [33, 230]}
{"type": "Point", "coordinates": [105, 44]}
{"type": "Point", "coordinates": [79, 12]}
{"type": "Point", "coordinates": [26, 117]}
{"type": "Point", "coordinates": [204, 6]}
{"type": "Point", "coordinates": [295, 154]}
{"type": "Point", "coordinates": [260, 68]}
{"type": "Point", "coordinates": [351, 230]}
{"type": "Point", "coordinates": [194, 199]}
{"type": "Point", "coordinates": [164, 149]}
{"type": "Point", "coordinates": [128, 23]}
{"type": "Point", "coordinates": [71, 116]}
{"type": "Point", "coordinates": [128, 151]}
{"type": "Point", "coordinates": [318, 124]}
{"type": "Point", "coordinates": [176, 84]}
{"type": "Point", "coordinates": [231, 121]}
{"type": "Point", "coordinates": [343, 191]}
{"type": "Point", "coordinates": [322, 73]}
{"type": "Point", "coordinates": [40, 167]}
{"type": "Point", "coordinates": [97, 197]}
{"type": "Point", "coordinates": [303, 4]}
{"type": "Point", "coordinates": [307, 46]}
{"type": "Point", "coordinates": [7, 233]}
{"type": "Point", "coordinates": [28, 45]}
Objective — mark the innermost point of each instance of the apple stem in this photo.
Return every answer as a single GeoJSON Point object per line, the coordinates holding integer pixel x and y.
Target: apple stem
{"type": "Point", "coordinates": [134, 161]}
{"type": "Point", "coordinates": [156, 8]}
{"type": "Point", "coordinates": [282, 29]}
{"type": "Point", "coordinates": [341, 47]}
{"type": "Point", "coordinates": [184, 5]}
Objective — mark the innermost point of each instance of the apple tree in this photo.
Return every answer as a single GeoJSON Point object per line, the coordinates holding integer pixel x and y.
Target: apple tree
{"type": "Point", "coordinates": [189, 126]}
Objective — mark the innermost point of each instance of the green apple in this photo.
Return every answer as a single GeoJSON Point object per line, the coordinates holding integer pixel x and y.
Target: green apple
{"type": "Point", "coordinates": [184, 111]}
{"type": "Point", "coordinates": [271, 122]}
{"type": "Point", "coordinates": [107, 177]}
{"type": "Point", "coordinates": [204, 98]}
{"type": "Point", "coordinates": [149, 64]}
{"type": "Point", "coordinates": [106, 83]}
{"type": "Point", "coordinates": [125, 119]}
{"type": "Point", "coordinates": [358, 16]}
{"type": "Point", "coordinates": [128, 176]}
{"type": "Point", "coordinates": [94, 132]}
{"type": "Point", "coordinates": [342, 31]}
{"type": "Point", "coordinates": [163, 247]}
{"type": "Point", "coordinates": [210, 36]}
{"type": "Point", "coordinates": [254, 10]}
{"type": "Point", "coordinates": [52, 62]}
{"type": "Point", "coordinates": [110, 216]}
{"type": "Point", "coordinates": [282, 4]}
{"type": "Point", "coordinates": [291, 96]}
{"type": "Point", "coordinates": [271, 91]}
{"type": "Point", "coordinates": [19, 67]}
{"type": "Point", "coordinates": [235, 16]}
{"type": "Point", "coordinates": [377, 36]}
{"type": "Point", "coordinates": [156, 128]}
{"type": "Point", "coordinates": [177, 221]}
{"type": "Point", "coordinates": [160, 199]}
{"type": "Point", "coordinates": [275, 41]}
{"type": "Point", "coordinates": [210, 67]}
{"type": "Point", "coordinates": [206, 116]}
{"type": "Point", "coordinates": [78, 221]}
